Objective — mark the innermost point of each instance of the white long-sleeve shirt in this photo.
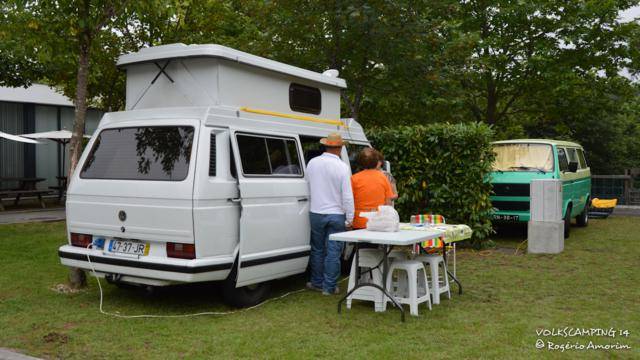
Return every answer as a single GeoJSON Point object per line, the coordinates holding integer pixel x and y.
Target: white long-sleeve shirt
{"type": "Point", "coordinates": [330, 186]}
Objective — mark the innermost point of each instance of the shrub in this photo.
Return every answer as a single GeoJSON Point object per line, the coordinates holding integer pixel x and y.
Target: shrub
{"type": "Point", "coordinates": [440, 169]}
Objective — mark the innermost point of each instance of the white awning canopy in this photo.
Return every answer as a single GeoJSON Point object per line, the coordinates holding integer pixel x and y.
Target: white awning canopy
{"type": "Point", "coordinates": [56, 135]}
{"type": "Point", "coordinates": [17, 138]}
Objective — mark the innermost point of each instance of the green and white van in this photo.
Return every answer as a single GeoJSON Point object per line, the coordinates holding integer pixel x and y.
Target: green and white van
{"type": "Point", "coordinates": [520, 161]}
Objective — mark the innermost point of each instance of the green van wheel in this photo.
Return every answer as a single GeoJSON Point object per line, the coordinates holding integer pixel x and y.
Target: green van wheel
{"type": "Point", "coordinates": [567, 222]}
{"type": "Point", "coordinates": [583, 219]}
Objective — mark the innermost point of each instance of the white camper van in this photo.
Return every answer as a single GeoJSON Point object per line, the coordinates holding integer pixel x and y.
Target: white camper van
{"type": "Point", "coordinates": [202, 178]}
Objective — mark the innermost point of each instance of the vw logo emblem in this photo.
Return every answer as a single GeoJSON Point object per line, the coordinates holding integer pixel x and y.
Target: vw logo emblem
{"type": "Point", "coordinates": [122, 215]}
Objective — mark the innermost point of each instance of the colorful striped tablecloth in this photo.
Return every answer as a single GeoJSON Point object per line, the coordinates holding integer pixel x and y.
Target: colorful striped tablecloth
{"type": "Point", "coordinates": [452, 233]}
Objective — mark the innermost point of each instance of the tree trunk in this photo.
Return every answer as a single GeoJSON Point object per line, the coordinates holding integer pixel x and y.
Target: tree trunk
{"type": "Point", "coordinates": [492, 100]}
{"type": "Point", "coordinates": [77, 277]}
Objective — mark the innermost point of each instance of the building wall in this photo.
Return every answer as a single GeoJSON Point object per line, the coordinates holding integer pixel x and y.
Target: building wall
{"type": "Point", "coordinates": [40, 160]}
{"type": "Point", "coordinates": [11, 152]}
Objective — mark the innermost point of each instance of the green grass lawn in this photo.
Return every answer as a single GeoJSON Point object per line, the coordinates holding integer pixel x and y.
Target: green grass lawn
{"type": "Point", "coordinates": [594, 283]}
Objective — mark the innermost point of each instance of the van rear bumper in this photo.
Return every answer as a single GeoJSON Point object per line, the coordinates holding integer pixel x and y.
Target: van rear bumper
{"type": "Point", "coordinates": [172, 270]}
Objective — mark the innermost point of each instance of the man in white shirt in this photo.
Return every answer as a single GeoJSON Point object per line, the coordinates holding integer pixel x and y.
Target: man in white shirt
{"type": "Point", "coordinates": [331, 211]}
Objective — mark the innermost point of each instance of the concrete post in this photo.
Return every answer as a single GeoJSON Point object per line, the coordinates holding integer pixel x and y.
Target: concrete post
{"type": "Point", "coordinates": [546, 226]}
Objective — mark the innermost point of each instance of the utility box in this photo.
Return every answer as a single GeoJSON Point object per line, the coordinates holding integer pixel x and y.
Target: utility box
{"type": "Point", "coordinates": [546, 227]}
{"type": "Point", "coordinates": [546, 200]}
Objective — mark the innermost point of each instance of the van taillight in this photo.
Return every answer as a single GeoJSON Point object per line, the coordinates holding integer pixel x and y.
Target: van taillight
{"type": "Point", "coordinates": [182, 251]}
{"type": "Point", "coordinates": [81, 240]}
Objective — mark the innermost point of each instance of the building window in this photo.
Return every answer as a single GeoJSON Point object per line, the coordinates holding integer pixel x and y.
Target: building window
{"type": "Point", "coordinates": [305, 99]}
{"type": "Point", "coordinates": [268, 156]}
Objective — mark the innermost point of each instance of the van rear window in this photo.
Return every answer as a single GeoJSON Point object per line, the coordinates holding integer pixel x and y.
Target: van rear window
{"type": "Point", "coordinates": [159, 153]}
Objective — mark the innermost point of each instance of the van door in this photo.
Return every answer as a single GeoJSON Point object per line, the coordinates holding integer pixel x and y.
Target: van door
{"type": "Point", "coordinates": [274, 198]}
{"type": "Point", "coordinates": [567, 178]}
{"type": "Point", "coordinates": [581, 182]}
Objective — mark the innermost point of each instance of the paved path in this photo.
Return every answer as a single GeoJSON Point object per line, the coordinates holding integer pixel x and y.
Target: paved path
{"type": "Point", "coordinates": [627, 210]}
{"type": "Point", "coordinates": [6, 354]}
{"type": "Point", "coordinates": [15, 217]}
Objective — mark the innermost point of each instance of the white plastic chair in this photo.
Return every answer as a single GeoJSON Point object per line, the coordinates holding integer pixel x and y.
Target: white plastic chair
{"type": "Point", "coordinates": [439, 279]}
{"type": "Point", "coordinates": [370, 262]}
{"type": "Point", "coordinates": [413, 288]}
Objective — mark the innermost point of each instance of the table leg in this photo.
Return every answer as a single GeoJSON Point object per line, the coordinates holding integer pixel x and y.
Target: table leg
{"type": "Point", "coordinates": [356, 280]}
{"type": "Point", "coordinates": [453, 277]}
{"type": "Point", "coordinates": [382, 288]}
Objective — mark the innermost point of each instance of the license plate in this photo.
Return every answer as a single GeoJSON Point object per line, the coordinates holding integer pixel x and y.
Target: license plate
{"type": "Point", "coordinates": [506, 217]}
{"type": "Point", "coordinates": [128, 247]}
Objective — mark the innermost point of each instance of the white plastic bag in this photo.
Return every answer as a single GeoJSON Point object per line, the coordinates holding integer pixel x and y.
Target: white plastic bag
{"type": "Point", "coordinates": [385, 219]}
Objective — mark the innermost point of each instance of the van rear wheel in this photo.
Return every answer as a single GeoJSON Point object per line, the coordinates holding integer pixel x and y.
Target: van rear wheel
{"type": "Point", "coordinates": [583, 219]}
{"type": "Point", "coordinates": [244, 296]}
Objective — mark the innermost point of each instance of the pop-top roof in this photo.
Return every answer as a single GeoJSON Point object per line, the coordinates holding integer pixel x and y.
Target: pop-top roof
{"type": "Point", "coordinates": [178, 51]}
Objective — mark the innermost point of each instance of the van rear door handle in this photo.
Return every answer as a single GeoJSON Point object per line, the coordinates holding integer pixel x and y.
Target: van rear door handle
{"type": "Point", "coordinates": [235, 200]}
{"type": "Point", "coordinates": [303, 199]}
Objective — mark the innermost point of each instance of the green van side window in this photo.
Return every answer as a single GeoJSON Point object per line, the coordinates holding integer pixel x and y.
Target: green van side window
{"type": "Point", "coordinates": [562, 159]}
{"type": "Point", "coordinates": [581, 159]}
{"type": "Point", "coordinates": [572, 155]}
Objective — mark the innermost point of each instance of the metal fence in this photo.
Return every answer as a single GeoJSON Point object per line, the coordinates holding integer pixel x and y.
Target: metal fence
{"type": "Point", "coordinates": [619, 187]}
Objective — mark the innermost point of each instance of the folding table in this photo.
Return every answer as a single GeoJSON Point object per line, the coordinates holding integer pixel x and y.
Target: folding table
{"type": "Point", "coordinates": [387, 240]}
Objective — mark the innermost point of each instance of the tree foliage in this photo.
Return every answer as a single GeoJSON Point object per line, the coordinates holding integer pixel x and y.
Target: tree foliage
{"type": "Point", "coordinates": [531, 68]}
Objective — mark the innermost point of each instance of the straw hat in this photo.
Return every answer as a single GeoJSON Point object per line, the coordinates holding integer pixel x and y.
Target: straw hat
{"type": "Point", "coordinates": [333, 140]}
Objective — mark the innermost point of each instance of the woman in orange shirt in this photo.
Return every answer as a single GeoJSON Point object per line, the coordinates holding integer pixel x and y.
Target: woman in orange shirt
{"type": "Point", "coordinates": [371, 188]}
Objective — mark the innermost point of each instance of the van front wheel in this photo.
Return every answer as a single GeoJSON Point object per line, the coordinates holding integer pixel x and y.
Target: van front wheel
{"type": "Point", "coordinates": [567, 222]}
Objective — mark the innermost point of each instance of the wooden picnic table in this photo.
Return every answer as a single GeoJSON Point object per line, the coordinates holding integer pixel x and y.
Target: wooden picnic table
{"type": "Point", "coordinates": [26, 186]}
{"type": "Point", "coordinates": [24, 183]}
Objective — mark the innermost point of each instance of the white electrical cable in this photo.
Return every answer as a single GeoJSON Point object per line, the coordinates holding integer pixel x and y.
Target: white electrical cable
{"type": "Point", "coordinates": [216, 313]}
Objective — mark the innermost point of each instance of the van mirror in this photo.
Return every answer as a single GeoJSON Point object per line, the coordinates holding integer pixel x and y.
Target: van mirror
{"type": "Point", "coordinates": [573, 166]}
{"type": "Point", "coordinates": [387, 166]}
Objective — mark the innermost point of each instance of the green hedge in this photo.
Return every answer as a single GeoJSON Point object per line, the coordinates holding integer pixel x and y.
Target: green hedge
{"type": "Point", "coordinates": [440, 169]}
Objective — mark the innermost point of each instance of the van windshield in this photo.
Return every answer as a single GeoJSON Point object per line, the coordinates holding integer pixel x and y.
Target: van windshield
{"type": "Point", "coordinates": [140, 153]}
{"type": "Point", "coordinates": [523, 157]}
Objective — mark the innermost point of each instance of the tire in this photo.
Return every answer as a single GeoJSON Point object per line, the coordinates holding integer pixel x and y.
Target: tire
{"type": "Point", "coordinates": [245, 296]}
{"type": "Point", "coordinates": [567, 222]}
{"type": "Point", "coordinates": [583, 219]}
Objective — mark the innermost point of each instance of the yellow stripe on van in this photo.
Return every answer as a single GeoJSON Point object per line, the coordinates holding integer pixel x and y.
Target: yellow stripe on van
{"type": "Point", "coordinates": [295, 117]}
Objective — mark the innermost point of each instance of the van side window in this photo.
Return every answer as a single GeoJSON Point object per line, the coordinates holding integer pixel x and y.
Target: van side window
{"type": "Point", "coordinates": [311, 147]}
{"type": "Point", "coordinates": [582, 159]}
{"type": "Point", "coordinates": [572, 155]}
{"type": "Point", "coordinates": [271, 156]}
{"type": "Point", "coordinates": [212, 154]}
{"type": "Point", "coordinates": [305, 99]}
{"type": "Point", "coordinates": [562, 159]}
{"type": "Point", "coordinates": [353, 150]}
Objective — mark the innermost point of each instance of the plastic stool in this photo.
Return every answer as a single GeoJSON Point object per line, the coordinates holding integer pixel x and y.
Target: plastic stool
{"type": "Point", "coordinates": [369, 259]}
{"type": "Point", "coordinates": [438, 285]}
{"type": "Point", "coordinates": [397, 255]}
{"type": "Point", "coordinates": [416, 290]}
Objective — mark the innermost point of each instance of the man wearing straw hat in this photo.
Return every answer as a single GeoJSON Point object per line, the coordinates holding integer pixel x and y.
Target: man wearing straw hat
{"type": "Point", "coordinates": [331, 211]}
